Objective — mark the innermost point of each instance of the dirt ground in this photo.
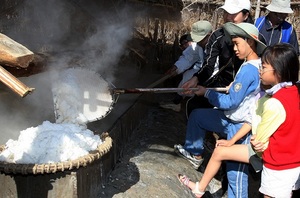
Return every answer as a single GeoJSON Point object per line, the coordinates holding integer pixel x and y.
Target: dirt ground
{"type": "Point", "coordinates": [149, 165]}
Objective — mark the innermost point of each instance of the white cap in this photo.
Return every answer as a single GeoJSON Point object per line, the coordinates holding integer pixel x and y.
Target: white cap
{"type": "Point", "coordinates": [280, 6]}
{"type": "Point", "coordinates": [235, 6]}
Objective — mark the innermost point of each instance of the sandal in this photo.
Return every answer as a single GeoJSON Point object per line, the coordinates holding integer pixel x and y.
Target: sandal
{"type": "Point", "coordinates": [185, 181]}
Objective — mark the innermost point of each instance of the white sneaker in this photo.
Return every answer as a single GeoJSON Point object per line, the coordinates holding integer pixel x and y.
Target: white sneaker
{"type": "Point", "coordinates": [172, 106]}
{"type": "Point", "coordinates": [188, 156]}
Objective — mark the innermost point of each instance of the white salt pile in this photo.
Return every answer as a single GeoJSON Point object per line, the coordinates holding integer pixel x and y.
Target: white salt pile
{"type": "Point", "coordinates": [50, 143]}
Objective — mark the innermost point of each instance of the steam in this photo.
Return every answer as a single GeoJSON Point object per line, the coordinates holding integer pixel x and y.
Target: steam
{"type": "Point", "coordinates": [111, 48]}
{"type": "Point", "coordinates": [73, 33]}
{"type": "Point", "coordinates": [71, 36]}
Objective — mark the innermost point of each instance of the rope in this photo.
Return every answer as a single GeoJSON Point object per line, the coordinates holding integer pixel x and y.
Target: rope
{"type": "Point", "coordinates": [24, 169]}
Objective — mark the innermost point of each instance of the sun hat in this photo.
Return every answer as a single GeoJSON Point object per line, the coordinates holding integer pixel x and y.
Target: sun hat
{"type": "Point", "coordinates": [199, 30]}
{"type": "Point", "coordinates": [280, 6]}
{"type": "Point", "coordinates": [235, 6]}
{"type": "Point", "coordinates": [245, 30]}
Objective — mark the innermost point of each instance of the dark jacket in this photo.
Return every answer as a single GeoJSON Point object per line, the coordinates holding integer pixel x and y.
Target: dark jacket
{"type": "Point", "coordinates": [219, 50]}
{"type": "Point", "coordinates": [272, 35]}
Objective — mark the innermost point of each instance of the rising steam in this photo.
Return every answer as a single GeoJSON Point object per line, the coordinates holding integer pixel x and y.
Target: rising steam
{"type": "Point", "coordinates": [72, 34]}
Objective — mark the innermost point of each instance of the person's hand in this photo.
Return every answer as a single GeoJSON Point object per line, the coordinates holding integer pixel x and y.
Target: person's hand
{"type": "Point", "coordinates": [172, 71]}
{"type": "Point", "coordinates": [258, 146]}
{"type": "Point", "coordinates": [192, 83]}
{"type": "Point", "coordinates": [225, 143]}
{"type": "Point", "coordinates": [228, 87]}
{"type": "Point", "coordinates": [201, 91]}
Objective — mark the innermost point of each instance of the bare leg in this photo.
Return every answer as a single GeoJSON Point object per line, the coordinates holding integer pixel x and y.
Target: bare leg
{"type": "Point", "coordinates": [237, 152]}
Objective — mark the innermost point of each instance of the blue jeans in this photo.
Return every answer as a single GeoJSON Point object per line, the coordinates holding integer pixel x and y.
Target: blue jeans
{"type": "Point", "coordinates": [213, 120]}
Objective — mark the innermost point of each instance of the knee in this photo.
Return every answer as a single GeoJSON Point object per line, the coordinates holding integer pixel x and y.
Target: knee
{"type": "Point", "coordinates": [196, 115]}
{"type": "Point", "coordinates": [218, 154]}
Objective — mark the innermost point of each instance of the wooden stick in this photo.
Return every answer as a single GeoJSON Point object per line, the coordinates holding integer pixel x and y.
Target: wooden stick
{"type": "Point", "coordinates": [13, 83]}
{"type": "Point", "coordinates": [162, 79]}
{"type": "Point", "coordinates": [161, 90]}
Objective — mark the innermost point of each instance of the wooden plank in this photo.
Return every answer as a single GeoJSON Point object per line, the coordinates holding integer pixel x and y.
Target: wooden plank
{"type": "Point", "coordinates": [14, 54]}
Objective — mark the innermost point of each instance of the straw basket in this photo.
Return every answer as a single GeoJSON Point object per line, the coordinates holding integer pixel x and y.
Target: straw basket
{"type": "Point", "coordinates": [11, 168]}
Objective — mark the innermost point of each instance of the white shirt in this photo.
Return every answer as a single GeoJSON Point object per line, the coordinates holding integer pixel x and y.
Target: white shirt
{"type": "Point", "coordinates": [191, 56]}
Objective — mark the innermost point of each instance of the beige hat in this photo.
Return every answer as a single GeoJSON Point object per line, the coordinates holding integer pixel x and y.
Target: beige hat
{"type": "Point", "coordinates": [245, 30]}
{"type": "Point", "coordinates": [235, 6]}
{"type": "Point", "coordinates": [200, 29]}
{"type": "Point", "coordinates": [280, 6]}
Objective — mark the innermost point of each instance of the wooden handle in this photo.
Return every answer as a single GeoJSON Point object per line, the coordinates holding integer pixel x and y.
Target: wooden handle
{"type": "Point", "coordinates": [13, 83]}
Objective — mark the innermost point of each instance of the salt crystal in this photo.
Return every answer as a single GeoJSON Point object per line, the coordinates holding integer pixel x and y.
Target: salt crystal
{"type": "Point", "coordinates": [50, 143]}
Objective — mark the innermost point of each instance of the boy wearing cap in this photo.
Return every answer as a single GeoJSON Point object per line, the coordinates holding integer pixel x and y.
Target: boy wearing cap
{"type": "Point", "coordinates": [191, 59]}
{"type": "Point", "coordinates": [233, 109]}
{"type": "Point", "coordinates": [274, 28]}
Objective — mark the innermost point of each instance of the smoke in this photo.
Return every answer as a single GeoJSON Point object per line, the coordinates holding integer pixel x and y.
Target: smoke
{"type": "Point", "coordinates": [72, 36]}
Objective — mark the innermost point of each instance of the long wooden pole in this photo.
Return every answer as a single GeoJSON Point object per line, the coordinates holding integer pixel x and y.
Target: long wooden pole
{"type": "Point", "coordinates": [162, 79]}
{"type": "Point", "coordinates": [13, 83]}
{"type": "Point", "coordinates": [161, 90]}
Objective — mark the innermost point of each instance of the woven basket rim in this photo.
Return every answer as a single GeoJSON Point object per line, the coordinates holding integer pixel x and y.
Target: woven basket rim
{"type": "Point", "coordinates": [13, 168]}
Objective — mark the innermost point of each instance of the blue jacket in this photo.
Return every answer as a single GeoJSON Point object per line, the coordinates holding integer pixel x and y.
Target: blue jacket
{"type": "Point", "coordinates": [283, 33]}
{"type": "Point", "coordinates": [241, 96]}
